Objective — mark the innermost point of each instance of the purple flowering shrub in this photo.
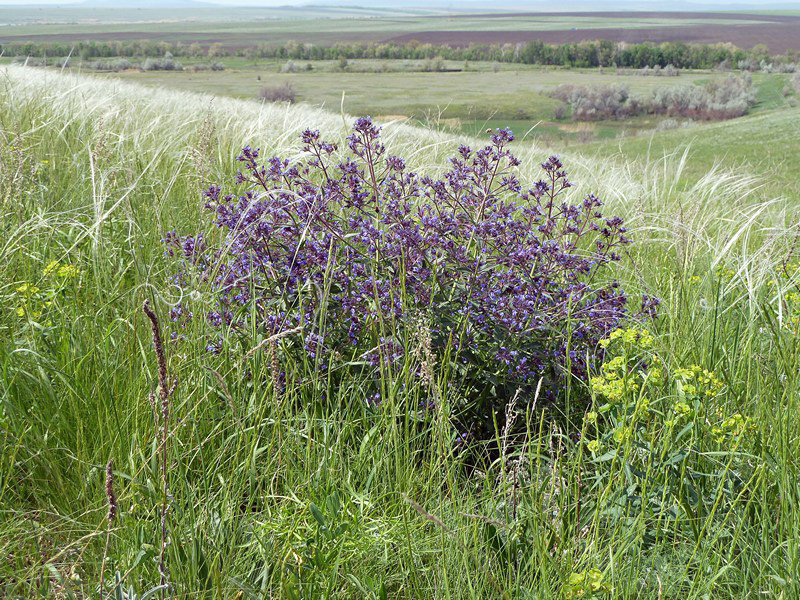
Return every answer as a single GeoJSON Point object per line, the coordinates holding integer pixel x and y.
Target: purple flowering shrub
{"type": "Point", "coordinates": [513, 284]}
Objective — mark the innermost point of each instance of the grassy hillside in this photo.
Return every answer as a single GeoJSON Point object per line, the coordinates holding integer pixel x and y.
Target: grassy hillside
{"type": "Point", "coordinates": [468, 101]}
{"type": "Point", "coordinates": [305, 486]}
{"type": "Point", "coordinates": [764, 144]}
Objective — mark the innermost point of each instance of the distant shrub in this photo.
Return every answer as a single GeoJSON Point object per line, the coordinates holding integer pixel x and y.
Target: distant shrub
{"type": "Point", "coordinates": [595, 103]}
{"type": "Point", "coordinates": [780, 67]}
{"type": "Point", "coordinates": [365, 264]}
{"type": "Point", "coordinates": [119, 64]}
{"type": "Point", "coordinates": [670, 71]}
{"type": "Point", "coordinates": [168, 63]}
{"type": "Point", "coordinates": [217, 66]}
{"type": "Point", "coordinates": [433, 65]}
{"type": "Point", "coordinates": [796, 82]}
{"type": "Point", "coordinates": [647, 71]}
{"type": "Point", "coordinates": [288, 67]}
{"type": "Point", "coordinates": [725, 99]}
{"type": "Point", "coordinates": [278, 93]}
{"type": "Point", "coordinates": [719, 99]}
{"type": "Point", "coordinates": [749, 64]}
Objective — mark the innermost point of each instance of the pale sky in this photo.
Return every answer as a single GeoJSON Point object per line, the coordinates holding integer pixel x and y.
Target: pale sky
{"type": "Point", "coordinates": [656, 4]}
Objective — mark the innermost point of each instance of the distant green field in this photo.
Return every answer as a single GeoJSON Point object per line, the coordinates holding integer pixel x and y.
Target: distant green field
{"type": "Point", "coordinates": [468, 101]}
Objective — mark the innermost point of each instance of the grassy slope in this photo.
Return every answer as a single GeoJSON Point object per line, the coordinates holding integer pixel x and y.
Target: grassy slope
{"type": "Point", "coordinates": [108, 167]}
{"type": "Point", "coordinates": [764, 144]}
{"type": "Point", "coordinates": [515, 96]}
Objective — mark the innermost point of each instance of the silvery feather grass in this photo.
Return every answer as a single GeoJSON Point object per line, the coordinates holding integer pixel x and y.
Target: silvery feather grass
{"type": "Point", "coordinates": [291, 496]}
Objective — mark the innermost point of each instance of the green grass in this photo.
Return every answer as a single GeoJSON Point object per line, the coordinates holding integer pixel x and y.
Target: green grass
{"type": "Point", "coordinates": [305, 493]}
{"type": "Point", "coordinates": [764, 144]}
{"type": "Point", "coordinates": [485, 95]}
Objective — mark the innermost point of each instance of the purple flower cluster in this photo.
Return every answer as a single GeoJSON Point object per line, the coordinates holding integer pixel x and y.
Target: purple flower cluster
{"type": "Point", "coordinates": [355, 249]}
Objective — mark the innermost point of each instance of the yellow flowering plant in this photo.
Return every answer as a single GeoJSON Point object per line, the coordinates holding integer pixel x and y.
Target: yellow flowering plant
{"type": "Point", "coordinates": [630, 363]}
{"type": "Point", "coordinates": [586, 584]}
{"type": "Point", "coordinates": [649, 425]}
{"type": "Point", "coordinates": [33, 299]}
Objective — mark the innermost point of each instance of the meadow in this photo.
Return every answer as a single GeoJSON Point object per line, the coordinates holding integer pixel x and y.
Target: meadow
{"type": "Point", "coordinates": [468, 99]}
{"type": "Point", "coordinates": [254, 465]}
{"type": "Point", "coordinates": [462, 97]}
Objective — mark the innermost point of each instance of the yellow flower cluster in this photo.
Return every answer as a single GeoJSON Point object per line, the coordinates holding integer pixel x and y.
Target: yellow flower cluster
{"type": "Point", "coordinates": [732, 429]}
{"type": "Point", "coordinates": [27, 290]}
{"type": "Point", "coordinates": [594, 446]}
{"type": "Point", "coordinates": [697, 381]}
{"type": "Point", "coordinates": [67, 271]}
{"type": "Point", "coordinates": [586, 584]}
{"type": "Point", "coordinates": [632, 337]}
{"type": "Point", "coordinates": [33, 299]}
{"type": "Point", "coordinates": [614, 381]}
{"type": "Point", "coordinates": [28, 294]}
{"type": "Point", "coordinates": [611, 386]}
{"type": "Point", "coordinates": [679, 410]}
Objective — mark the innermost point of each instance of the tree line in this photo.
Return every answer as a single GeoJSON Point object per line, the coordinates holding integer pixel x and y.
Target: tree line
{"type": "Point", "coordinates": [600, 53]}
